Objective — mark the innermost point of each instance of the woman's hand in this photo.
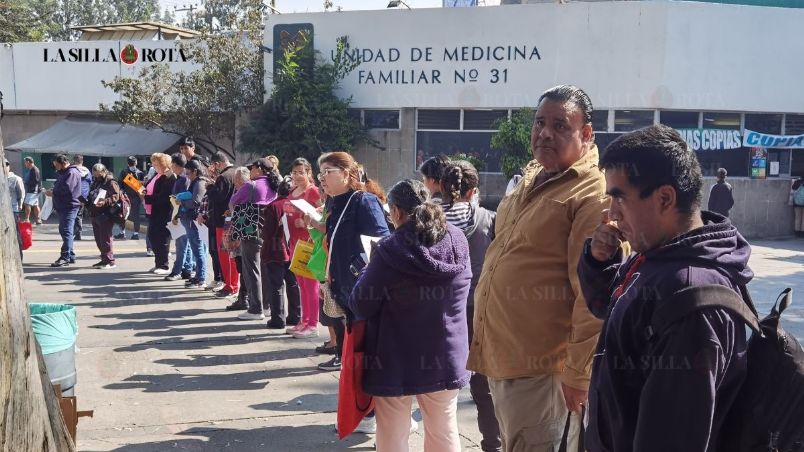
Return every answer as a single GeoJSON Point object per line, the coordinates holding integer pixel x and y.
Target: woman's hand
{"type": "Point", "coordinates": [299, 223]}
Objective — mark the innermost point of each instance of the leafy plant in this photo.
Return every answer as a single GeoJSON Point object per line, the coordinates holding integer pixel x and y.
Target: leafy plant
{"type": "Point", "coordinates": [513, 140]}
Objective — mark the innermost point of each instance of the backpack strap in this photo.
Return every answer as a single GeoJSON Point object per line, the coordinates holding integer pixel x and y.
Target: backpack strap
{"type": "Point", "coordinates": [691, 299]}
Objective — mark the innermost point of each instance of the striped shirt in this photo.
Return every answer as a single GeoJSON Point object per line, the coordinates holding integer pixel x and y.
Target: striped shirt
{"type": "Point", "coordinates": [460, 214]}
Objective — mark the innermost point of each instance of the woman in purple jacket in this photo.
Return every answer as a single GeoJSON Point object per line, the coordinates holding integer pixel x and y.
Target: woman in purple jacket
{"type": "Point", "coordinates": [420, 276]}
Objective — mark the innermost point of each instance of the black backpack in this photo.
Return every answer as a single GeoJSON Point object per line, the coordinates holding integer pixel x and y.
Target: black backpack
{"type": "Point", "coordinates": [768, 415]}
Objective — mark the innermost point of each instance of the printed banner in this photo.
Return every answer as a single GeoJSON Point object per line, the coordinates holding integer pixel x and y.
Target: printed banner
{"type": "Point", "coordinates": [755, 139]}
{"type": "Point", "coordinates": [711, 139]}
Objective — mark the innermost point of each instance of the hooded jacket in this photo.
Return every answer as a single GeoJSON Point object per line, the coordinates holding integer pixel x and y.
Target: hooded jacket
{"type": "Point", "coordinates": [672, 392]}
{"type": "Point", "coordinates": [478, 227]}
{"type": "Point", "coordinates": [86, 180]}
{"type": "Point", "coordinates": [414, 301]}
{"type": "Point", "coordinates": [112, 197]}
{"type": "Point", "coordinates": [67, 189]}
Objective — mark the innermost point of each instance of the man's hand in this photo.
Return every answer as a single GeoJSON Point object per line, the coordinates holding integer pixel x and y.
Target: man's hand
{"type": "Point", "coordinates": [574, 398]}
{"type": "Point", "coordinates": [606, 239]}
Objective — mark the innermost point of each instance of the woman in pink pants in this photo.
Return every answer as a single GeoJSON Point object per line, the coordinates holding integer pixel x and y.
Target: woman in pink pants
{"type": "Point", "coordinates": [304, 188]}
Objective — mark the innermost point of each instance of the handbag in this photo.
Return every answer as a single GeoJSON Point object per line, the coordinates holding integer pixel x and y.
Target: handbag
{"type": "Point", "coordinates": [26, 234]}
{"type": "Point", "coordinates": [317, 264]}
{"type": "Point", "coordinates": [353, 402]}
{"type": "Point", "coordinates": [301, 256]}
{"type": "Point", "coordinates": [331, 307]}
{"type": "Point", "coordinates": [247, 220]}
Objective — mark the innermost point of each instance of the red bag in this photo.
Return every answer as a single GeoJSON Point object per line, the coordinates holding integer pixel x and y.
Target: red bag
{"type": "Point", "coordinates": [353, 403]}
{"type": "Point", "coordinates": [26, 234]}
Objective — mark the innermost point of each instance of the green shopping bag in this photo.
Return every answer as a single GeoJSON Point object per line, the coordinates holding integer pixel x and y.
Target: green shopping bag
{"type": "Point", "coordinates": [318, 259]}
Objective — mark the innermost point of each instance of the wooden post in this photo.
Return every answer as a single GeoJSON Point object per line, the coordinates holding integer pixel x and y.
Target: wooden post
{"type": "Point", "coordinates": [31, 419]}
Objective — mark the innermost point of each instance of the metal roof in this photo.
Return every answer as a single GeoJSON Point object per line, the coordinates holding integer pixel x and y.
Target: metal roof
{"type": "Point", "coordinates": [153, 27]}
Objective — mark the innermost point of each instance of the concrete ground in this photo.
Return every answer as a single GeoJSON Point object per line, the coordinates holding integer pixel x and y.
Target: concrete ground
{"type": "Point", "coordinates": [167, 368]}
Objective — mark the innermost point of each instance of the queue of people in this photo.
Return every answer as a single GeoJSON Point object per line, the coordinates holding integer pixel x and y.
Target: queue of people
{"type": "Point", "coordinates": [538, 307]}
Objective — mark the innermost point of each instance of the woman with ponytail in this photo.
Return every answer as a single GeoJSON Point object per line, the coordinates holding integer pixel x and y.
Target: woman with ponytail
{"type": "Point", "coordinates": [418, 276]}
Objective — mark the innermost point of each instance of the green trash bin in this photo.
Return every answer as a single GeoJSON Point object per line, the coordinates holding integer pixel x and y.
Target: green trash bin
{"type": "Point", "coordinates": [55, 327]}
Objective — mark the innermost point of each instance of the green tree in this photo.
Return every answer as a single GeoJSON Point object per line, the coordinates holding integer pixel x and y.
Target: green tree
{"type": "Point", "coordinates": [204, 102]}
{"type": "Point", "coordinates": [26, 20]}
{"type": "Point", "coordinates": [513, 140]}
{"type": "Point", "coordinates": [304, 117]}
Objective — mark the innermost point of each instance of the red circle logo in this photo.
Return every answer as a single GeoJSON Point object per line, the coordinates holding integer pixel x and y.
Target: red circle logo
{"type": "Point", "coordinates": [129, 54]}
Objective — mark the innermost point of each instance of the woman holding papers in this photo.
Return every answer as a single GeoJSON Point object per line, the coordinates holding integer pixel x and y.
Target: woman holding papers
{"type": "Point", "coordinates": [419, 276]}
{"type": "Point", "coordinates": [304, 191]}
{"type": "Point", "coordinates": [353, 212]}
{"type": "Point", "coordinates": [156, 195]}
{"type": "Point", "coordinates": [104, 194]}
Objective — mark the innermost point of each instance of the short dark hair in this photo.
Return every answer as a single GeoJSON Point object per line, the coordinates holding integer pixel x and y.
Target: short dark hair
{"type": "Point", "coordinates": [655, 156]}
{"type": "Point", "coordinates": [132, 160]}
{"type": "Point", "coordinates": [187, 141]}
{"type": "Point", "coordinates": [61, 159]}
{"type": "Point", "coordinates": [434, 167]}
{"type": "Point", "coordinates": [219, 156]}
{"type": "Point", "coordinates": [570, 93]}
{"type": "Point", "coordinates": [285, 187]}
{"type": "Point", "coordinates": [78, 159]}
{"type": "Point", "coordinates": [194, 165]}
{"type": "Point", "coordinates": [178, 159]}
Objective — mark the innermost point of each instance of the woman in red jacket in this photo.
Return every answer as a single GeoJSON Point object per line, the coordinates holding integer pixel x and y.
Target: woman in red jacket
{"type": "Point", "coordinates": [304, 188]}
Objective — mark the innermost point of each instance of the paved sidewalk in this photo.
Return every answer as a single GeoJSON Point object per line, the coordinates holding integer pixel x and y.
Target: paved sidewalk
{"type": "Point", "coordinates": [167, 368]}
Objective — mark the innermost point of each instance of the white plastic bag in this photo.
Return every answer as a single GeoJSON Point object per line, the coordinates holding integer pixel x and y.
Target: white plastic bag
{"type": "Point", "coordinates": [47, 208]}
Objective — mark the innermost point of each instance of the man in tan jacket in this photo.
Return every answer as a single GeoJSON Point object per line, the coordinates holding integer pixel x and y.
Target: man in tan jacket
{"type": "Point", "coordinates": [534, 337]}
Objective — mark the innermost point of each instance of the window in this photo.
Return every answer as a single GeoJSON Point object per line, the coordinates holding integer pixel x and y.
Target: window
{"type": "Point", "coordinates": [477, 144]}
{"type": "Point", "coordinates": [679, 119]}
{"type": "Point", "coordinates": [794, 125]}
{"type": "Point", "coordinates": [354, 113]}
{"type": "Point", "coordinates": [600, 120]}
{"type": "Point", "coordinates": [629, 120]}
{"type": "Point", "coordinates": [736, 161]}
{"type": "Point", "coordinates": [482, 119]}
{"type": "Point", "coordinates": [782, 168]}
{"type": "Point", "coordinates": [438, 119]}
{"type": "Point", "coordinates": [763, 123]}
{"type": "Point", "coordinates": [381, 119]}
{"type": "Point", "coordinates": [715, 120]}
{"type": "Point", "coordinates": [603, 139]}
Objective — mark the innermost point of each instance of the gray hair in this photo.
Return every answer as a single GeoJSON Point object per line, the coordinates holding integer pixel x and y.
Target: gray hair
{"type": "Point", "coordinates": [243, 172]}
{"type": "Point", "coordinates": [100, 168]}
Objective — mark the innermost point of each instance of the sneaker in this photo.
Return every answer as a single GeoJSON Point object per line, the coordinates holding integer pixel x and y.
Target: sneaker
{"type": "Point", "coordinates": [71, 261]}
{"type": "Point", "coordinates": [190, 282]}
{"type": "Point", "coordinates": [306, 333]}
{"type": "Point", "coordinates": [331, 365]}
{"type": "Point", "coordinates": [195, 285]}
{"type": "Point", "coordinates": [224, 293]}
{"type": "Point", "coordinates": [324, 350]}
{"type": "Point", "coordinates": [251, 316]}
{"type": "Point", "coordinates": [276, 324]}
{"type": "Point", "coordinates": [121, 236]}
{"type": "Point", "coordinates": [60, 263]}
{"type": "Point", "coordinates": [187, 275]}
{"type": "Point", "coordinates": [149, 253]}
{"type": "Point", "coordinates": [135, 236]}
{"type": "Point", "coordinates": [100, 264]}
{"type": "Point", "coordinates": [216, 286]}
{"type": "Point", "coordinates": [108, 266]}
{"type": "Point", "coordinates": [161, 271]}
{"type": "Point", "coordinates": [38, 222]}
{"type": "Point", "coordinates": [173, 277]}
{"type": "Point", "coordinates": [367, 426]}
{"type": "Point", "coordinates": [294, 329]}
{"type": "Point", "coordinates": [237, 306]}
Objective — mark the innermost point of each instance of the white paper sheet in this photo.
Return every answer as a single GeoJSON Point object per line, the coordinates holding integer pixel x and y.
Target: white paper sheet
{"type": "Point", "coordinates": [367, 240]}
{"type": "Point", "coordinates": [203, 232]}
{"type": "Point", "coordinates": [176, 230]}
{"type": "Point", "coordinates": [307, 208]}
{"type": "Point", "coordinates": [286, 228]}
{"type": "Point", "coordinates": [101, 196]}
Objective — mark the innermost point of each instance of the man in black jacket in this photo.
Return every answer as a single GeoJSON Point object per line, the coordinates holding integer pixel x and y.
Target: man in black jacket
{"type": "Point", "coordinates": [219, 195]}
{"type": "Point", "coordinates": [721, 198]}
{"type": "Point", "coordinates": [669, 391]}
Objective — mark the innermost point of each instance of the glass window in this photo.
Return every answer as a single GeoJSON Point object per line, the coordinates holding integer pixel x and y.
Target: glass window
{"type": "Point", "coordinates": [353, 113]}
{"type": "Point", "coordinates": [679, 119]}
{"type": "Point", "coordinates": [782, 156]}
{"type": "Point", "coordinates": [600, 120]}
{"type": "Point", "coordinates": [381, 119]}
{"type": "Point", "coordinates": [477, 144]}
{"type": "Point", "coordinates": [628, 120]}
{"type": "Point", "coordinates": [439, 119]}
{"type": "Point", "coordinates": [763, 123]}
{"type": "Point", "coordinates": [794, 125]}
{"type": "Point", "coordinates": [736, 161]}
{"type": "Point", "coordinates": [715, 120]}
{"type": "Point", "coordinates": [603, 139]}
{"type": "Point", "coordinates": [482, 119]}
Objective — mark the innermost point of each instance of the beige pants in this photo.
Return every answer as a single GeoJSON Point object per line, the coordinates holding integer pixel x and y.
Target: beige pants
{"type": "Point", "coordinates": [799, 218]}
{"type": "Point", "coordinates": [439, 413]}
{"type": "Point", "coordinates": [532, 414]}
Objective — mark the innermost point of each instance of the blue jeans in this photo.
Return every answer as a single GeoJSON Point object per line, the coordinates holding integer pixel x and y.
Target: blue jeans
{"type": "Point", "coordinates": [66, 230]}
{"type": "Point", "coordinates": [199, 252]}
{"type": "Point", "coordinates": [184, 257]}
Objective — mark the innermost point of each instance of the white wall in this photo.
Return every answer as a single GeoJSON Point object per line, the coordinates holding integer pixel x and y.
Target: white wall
{"type": "Point", "coordinates": [671, 55]}
{"type": "Point", "coordinates": [30, 82]}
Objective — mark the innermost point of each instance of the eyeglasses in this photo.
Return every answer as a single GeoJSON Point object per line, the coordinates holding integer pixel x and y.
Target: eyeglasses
{"type": "Point", "coordinates": [325, 172]}
{"type": "Point", "coordinates": [298, 173]}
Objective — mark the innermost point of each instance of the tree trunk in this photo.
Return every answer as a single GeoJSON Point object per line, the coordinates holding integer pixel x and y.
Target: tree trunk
{"type": "Point", "coordinates": [31, 419]}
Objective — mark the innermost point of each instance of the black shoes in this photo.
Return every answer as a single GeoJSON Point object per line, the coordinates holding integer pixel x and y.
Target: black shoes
{"type": "Point", "coordinates": [60, 263]}
{"type": "Point", "coordinates": [276, 324]}
{"type": "Point", "coordinates": [237, 306]}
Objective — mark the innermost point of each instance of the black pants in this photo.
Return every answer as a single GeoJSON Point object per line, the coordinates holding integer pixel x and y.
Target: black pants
{"type": "Point", "coordinates": [273, 289]}
{"type": "Point", "coordinates": [78, 227]}
{"type": "Point", "coordinates": [479, 388]}
{"type": "Point", "coordinates": [243, 293]}
{"type": "Point", "coordinates": [213, 251]}
{"type": "Point", "coordinates": [293, 296]}
{"type": "Point", "coordinates": [159, 237]}
{"type": "Point", "coordinates": [134, 216]}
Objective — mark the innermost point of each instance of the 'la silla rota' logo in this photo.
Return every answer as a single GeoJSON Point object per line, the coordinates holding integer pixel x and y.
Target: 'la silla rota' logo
{"type": "Point", "coordinates": [128, 55]}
